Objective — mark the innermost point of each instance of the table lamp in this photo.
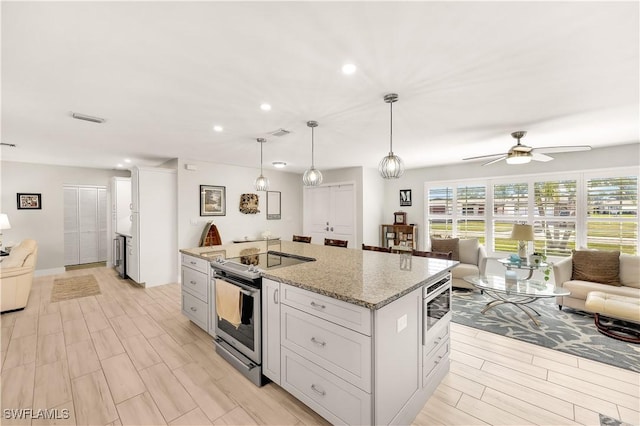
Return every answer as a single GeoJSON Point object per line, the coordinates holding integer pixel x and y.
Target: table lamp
{"type": "Point", "coordinates": [523, 233]}
{"type": "Point", "coordinates": [4, 224]}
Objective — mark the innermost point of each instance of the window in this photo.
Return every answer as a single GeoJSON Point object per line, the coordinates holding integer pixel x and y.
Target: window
{"type": "Point", "coordinates": [612, 213]}
{"type": "Point", "coordinates": [597, 210]}
{"type": "Point", "coordinates": [457, 211]}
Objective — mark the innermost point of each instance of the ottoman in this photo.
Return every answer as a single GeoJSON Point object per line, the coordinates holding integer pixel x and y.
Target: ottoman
{"type": "Point", "coordinates": [618, 307]}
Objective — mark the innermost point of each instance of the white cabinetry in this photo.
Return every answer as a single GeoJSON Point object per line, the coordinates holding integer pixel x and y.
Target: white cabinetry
{"type": "Point", "coordinates": [271, 327]}
{"type": "Point", "coordinates": [195, 290]}
{"type": "Point", "coordinates": [121, 205]}
{"type": "Point", "coordinates": [153, 226]}
{"type": "Point", "coordinates": [326, 355]}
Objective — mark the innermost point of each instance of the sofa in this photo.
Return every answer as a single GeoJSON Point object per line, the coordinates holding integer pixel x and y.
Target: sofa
{"type": "Point", "coordinates": [469, 252]}
{"type": "Point", "coordinates": [572, 277]}
{"type": "Point", "coordinates": [16, 276]}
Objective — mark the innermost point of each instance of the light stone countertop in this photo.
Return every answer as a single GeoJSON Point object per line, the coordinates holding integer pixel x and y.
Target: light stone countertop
{"type": "Point", "coordinates": [365, 278]}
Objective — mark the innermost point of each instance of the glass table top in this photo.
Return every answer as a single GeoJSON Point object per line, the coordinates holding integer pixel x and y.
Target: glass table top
{"type": "Point", "coordinates": [520, 287]}
{"type": "Point", "coordinates": [522, 265]}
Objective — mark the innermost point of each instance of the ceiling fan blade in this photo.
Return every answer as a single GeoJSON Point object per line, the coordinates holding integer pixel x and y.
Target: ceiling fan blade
{"type": "Point", "coordinates": [541, 157]}
{"type": "Point", "coordinates": [554, 149]}
{"type": "Point", "coordinates": [496, 160]}
{"type": "Point", "coordinates": [483, 156]}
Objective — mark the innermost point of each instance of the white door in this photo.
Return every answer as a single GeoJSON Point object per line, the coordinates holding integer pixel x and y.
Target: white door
{"type": "Point", "coordinates": [71, 239]}
{"type": "Point", "coordinates": [88, 224]}
{"type": "Point", "coordinates": [329, 212]}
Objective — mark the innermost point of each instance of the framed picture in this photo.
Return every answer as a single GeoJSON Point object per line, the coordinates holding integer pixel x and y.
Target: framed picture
{"type": "Point", "coordinates": [29, 201]}
{"type": "Point", "coordinates": [391, 235]}
{"type": "Point", "coordinates": [213, 200]}
{"type": "Point", "coordinates": [405, 197]}
{"type": "Point", "coordinates": [400, 218]}
{"type": "Point", "coordinates": [273, 205]}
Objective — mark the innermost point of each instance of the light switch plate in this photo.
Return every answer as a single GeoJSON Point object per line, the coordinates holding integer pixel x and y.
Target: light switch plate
{"type": "Point", "coordinates": [401, 323]}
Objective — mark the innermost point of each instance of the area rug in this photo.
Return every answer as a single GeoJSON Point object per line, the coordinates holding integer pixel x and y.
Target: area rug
{"type": "Point", "coordinates": [72, 288]}
{"type": "Point", "coordinates": [569, 330]}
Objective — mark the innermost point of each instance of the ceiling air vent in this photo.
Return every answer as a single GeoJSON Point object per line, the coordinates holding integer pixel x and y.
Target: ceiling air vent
{"type": "Point", "coordinates": [280, 132]}
{"type": "Point", "coordinates": [12, 145]}
{"type": "Point", "coordinates": [85, 117]}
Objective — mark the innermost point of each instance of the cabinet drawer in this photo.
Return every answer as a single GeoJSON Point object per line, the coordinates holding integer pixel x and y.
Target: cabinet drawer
{"type": "Point", "coordinates": [196, 263]}
{"type": "Point", "coordinates": [439, 357]}
{"type": "Point", "coordinates": [343, 352]}
{"type": "Point", "coordinates": [434, 338]}
{"type": "Point", "coordinates": [195, 283]}
{"type": "Point", "coordinates": [328, 395]}
{"type": "Point", "coordinates": [195, 309]}
{"type": "Point", "coordinates": [342, 313]}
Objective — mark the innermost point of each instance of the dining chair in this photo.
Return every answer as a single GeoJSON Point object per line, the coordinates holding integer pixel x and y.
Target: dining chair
{"type": "Point", "coordinates": [434, 254]}
{"type": "Point", "coordinates": [335, 243]}
{"type": "Point", "coordinates": [376, 248]}
{"type": "Point", "coordinates": [301, 239]}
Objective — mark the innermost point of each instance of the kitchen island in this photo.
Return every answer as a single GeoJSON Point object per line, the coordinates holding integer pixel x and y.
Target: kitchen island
{"type": "Point", "coordinates": [350, 335]}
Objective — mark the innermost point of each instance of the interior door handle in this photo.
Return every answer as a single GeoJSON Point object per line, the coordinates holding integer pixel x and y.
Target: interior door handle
{"type": "Point", "coordinates": [332, 229]}
{"type": "Point", "coordinates": [326, 229]}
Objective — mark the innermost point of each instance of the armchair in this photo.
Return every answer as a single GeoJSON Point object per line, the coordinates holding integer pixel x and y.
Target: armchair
{"type": "Point", "coordinates": [16, 276]}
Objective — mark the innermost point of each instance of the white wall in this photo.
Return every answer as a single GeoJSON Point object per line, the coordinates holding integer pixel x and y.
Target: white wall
{"type": "Point", "coordinates": [46, 226]}
{"type": "Point", "coordinates": [414, 179]}
{"type": "Point", "coordinates": [373, 199]}
{"type": "Point", "coordinates": [237, 180]}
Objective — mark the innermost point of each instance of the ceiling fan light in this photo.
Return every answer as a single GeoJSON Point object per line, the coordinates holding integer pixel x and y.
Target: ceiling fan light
{"type": "Point", "coordinates": [312, 177]}
{"type": "Point", "coordinates": [391, 166]}
{"type": "Point", "coordinates": [519, 157]}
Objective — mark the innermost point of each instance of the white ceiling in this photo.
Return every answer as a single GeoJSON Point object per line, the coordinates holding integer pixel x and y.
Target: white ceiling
{"type": "Point", "coordinates": [163, 73]}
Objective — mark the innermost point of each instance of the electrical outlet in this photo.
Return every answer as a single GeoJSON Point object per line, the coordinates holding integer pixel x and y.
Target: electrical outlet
{"type": "Point", "coordinates": [401, 323]}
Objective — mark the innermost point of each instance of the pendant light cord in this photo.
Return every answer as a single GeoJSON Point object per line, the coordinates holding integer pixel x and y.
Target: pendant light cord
{"type": "Point", "coordinates": [312, 162]}
{"type": "Point", "coordinates": [391, 130]}
{"type": "Point", "coordinates": [261, 143]}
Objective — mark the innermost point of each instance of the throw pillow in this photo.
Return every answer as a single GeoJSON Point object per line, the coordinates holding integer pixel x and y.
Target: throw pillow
{"type": "Point", "coordinates": [445, 245]}
{"type": "Point", "coordinates": [468, 248]}
{"type": "Point", "coordinates": [596, 266]}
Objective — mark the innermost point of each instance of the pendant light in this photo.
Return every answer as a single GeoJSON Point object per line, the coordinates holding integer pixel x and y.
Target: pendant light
{"type": "Point", "coordinates": [312, 176]}
{"type": "Point", "coordinates": [391, 166]}
{"type": "Point", "coordinates": [261, 183]}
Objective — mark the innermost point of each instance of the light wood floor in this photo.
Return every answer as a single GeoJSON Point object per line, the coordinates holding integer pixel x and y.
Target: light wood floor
{"type": "Point", "coordinates": [128, 356]}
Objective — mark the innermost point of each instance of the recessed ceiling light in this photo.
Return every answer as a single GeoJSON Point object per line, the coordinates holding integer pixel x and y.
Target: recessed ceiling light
{"type": "Point", "coordinates": [265, 107]}
{"type": "Point", "coordinates": [218, 128]}
{"type": "Point", "coordinates": [126, 160]}
{"type": "Point", "coordinates": [279, 164]}
{"type": "Point", "coordinates": [119, 165]}
{"type": "Point", "coordinates": [348, 69]}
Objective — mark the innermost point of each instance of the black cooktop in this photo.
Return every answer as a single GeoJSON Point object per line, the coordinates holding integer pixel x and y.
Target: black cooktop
{"type": "Point", "coordinates": [271, 259]}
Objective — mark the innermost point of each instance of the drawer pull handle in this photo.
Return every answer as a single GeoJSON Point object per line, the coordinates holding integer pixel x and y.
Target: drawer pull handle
{"type": "Point", "coordinates": [318, 342]}
{"type": "Point", "coordinates": [275, 296]}
{"type": "Point", "coordinates": [194, 309]}
{"type": "Point", "coordinates": [318, 391]}
{"type": "Point", "coordinates": [317, 305]}
{"type": "Point", "coordinates": [437, 340]}
{"type": "Point", "coordinates": [438, 361]}
{"type": "Point", "coordinates": [193, 282]}
{"type": "Point", "coordinates": [192, 262]}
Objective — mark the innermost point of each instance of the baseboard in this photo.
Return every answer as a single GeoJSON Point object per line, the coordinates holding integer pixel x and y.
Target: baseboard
{"type": "Point", "coordinates": [52, 271]}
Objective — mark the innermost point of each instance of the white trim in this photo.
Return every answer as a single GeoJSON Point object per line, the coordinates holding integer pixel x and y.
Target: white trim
{"type": "Point", "coordinates": [45, 272]}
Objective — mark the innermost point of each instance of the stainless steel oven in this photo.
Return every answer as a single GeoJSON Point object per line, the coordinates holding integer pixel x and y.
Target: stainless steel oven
{"type": "Point", "coordinates": [436, 303]}
{"type": "Point", "coordinates": [237, 301]}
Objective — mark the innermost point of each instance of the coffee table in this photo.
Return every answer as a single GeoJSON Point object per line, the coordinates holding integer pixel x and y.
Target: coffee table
{"type": "Point", "coordinates": [519, 293]}
{"type": "Point", "coordinates": [507, 263]}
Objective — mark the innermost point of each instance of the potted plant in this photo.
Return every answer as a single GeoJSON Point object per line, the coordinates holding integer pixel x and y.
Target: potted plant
{"type": "Point", "coordinates": [538, 258]}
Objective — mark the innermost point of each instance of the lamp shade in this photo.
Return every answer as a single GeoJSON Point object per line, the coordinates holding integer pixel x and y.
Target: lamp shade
{"type": "Point", "coordinates": [4, 221]}
{"type": "Point", "coordinates": [522, 232]}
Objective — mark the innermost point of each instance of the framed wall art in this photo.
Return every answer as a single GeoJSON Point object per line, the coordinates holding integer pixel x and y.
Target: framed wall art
{"type": "Point", "coordinates": [29, 201]}
{"type": "Point", "coordinates": [213, 200]}
{"type": "Point", "coordinates": [405, 197]}
{"type": "Point", "coordinates": [273, 205]}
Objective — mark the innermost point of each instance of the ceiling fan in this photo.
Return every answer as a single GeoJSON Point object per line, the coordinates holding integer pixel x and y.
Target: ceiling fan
{"type": "Point", "coordinates": [521, 154]}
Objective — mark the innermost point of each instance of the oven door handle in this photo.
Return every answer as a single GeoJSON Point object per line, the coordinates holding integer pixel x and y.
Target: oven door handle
{"type": "Point", "coordinates": [244, 289]}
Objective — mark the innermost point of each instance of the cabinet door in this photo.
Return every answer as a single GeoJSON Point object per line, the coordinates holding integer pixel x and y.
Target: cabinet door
{"type": "Point", "coordinates": [103, 242]}
{"type": "Point", "coordinates": [271, 329]}
{"type": "Point", "coordinates": [71, 234]}
{"type": "Point", "coordinates": [88, 224]}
